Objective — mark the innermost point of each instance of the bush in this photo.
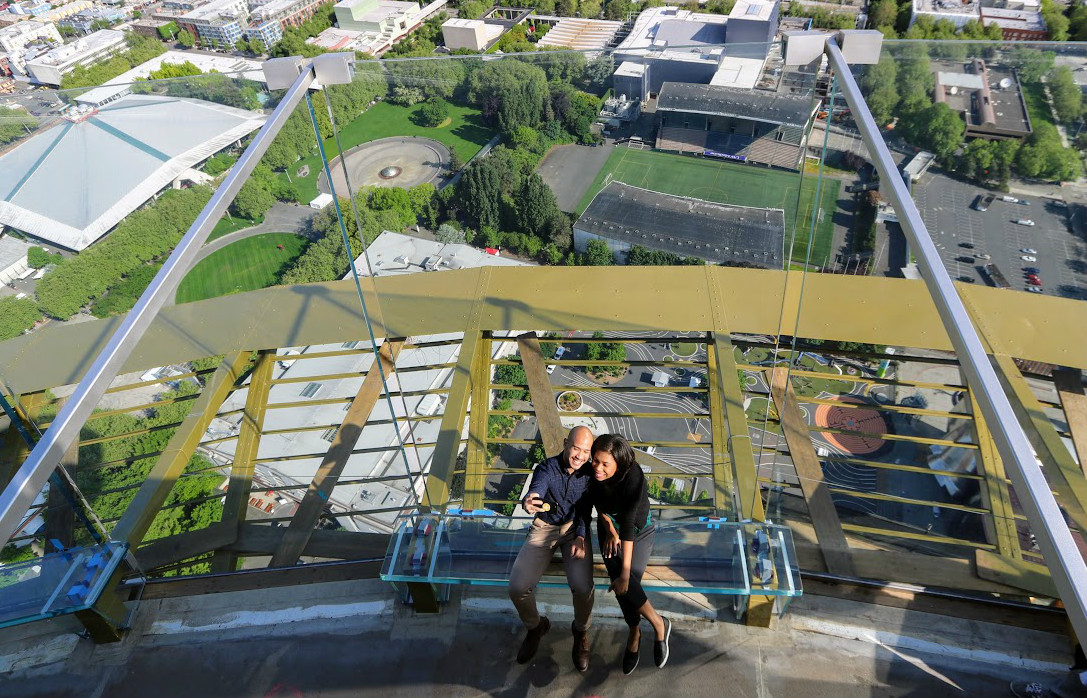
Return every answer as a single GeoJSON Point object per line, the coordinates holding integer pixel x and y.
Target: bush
{"type": "Point", "coordinates": [433, 113]}
{"type": "Point", "coordinates": [220, 163]}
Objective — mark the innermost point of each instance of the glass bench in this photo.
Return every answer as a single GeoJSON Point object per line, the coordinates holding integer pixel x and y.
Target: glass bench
{"type": "Point", "coordinates": [58, 583]}
{"type": "Point", "coordinates": [706, 556]}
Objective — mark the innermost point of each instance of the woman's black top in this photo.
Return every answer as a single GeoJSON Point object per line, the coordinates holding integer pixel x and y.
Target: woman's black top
{"type": "Point", "coordinates": [624, 499]}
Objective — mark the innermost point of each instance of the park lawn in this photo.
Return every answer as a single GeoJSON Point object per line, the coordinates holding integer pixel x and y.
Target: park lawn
{"type": "Point", "coordinates": [245, 265]}
{"type": "Point", "coordinates": [465, 133]}
{"type": "Point", "coordinates": [730, 183]}
{"type": "Point", "coordinates": [228, 225]}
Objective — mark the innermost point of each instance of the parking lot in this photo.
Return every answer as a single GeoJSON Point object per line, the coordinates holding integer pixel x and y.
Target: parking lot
{"type": "Point", "coordinates": [946, 206]}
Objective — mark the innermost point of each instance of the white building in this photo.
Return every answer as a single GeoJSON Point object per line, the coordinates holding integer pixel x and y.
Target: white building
{"type": "Point", "coordinates": [955, 11]}
{"type": "Point", "coordinates": [18, 36]}
{"type": "Point", "coordinates": [387, 17]}
{"type": "Point", "coordinates": [471, 34]}
{"type": "Point", "coordinates": [50, 67]}
{"type": "Point", "coordinates": [581, 34]}
{"type": "Point", "coordinates": [13, 262]}
{"type": "Point", "coordinates": [293, 458]}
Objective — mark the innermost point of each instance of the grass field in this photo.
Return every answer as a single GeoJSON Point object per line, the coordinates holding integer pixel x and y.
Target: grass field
{"type": "Point", "coordinates": [230, 224]}
{"type": "Point", "coordinates": [729, 183]}
{"type": "Point", "coordinates": [466, 133]}
{"type": "Point", "coordinates": [245, 265]}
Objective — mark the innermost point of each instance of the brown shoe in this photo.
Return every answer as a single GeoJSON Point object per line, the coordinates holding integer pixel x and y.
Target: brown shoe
{"type": "Point", "coordinates": [580, 653]}
{"type": "Point", "coordinates": [532, 641]}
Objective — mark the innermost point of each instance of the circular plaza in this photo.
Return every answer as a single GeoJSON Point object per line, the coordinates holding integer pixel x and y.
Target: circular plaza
{"type": "Point", "coordinates": [869, 424]}
{"type": "Point", "coordinates": [388, 162]}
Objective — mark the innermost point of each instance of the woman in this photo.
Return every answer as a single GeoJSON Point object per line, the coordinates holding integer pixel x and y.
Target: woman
{"type": "Point", "coordinates": [625, 531]}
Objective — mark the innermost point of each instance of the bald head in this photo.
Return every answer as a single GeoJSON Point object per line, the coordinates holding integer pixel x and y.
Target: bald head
{"type": "Point", "coordinates": [578, 447]}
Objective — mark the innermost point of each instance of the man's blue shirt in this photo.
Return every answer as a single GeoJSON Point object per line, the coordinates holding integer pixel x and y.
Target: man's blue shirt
{"type": "Point", "coordinates": [562, 490]}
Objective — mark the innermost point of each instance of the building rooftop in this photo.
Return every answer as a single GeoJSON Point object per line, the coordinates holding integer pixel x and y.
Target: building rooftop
{"type": "Point", "coordinates": [685, 226]}
{"type": "Point", "coordinates": [334, 38]}
{"type": "Point", "coordinates": [989, 97]}
{"type": "Point", "coordinates": [727, 101]}
{"type": "Point", "coordinates": [211, 10]}
{"type": "Point", "coordinates": [117, 157]}
{"type": "Point", "coordinates": [224, 65]}
{"type": "Point", "coordinates": [12, 250]}
{"type": "Point", "coordinates": [377, 10]}
{"type": "Point", "coordinates": [699, 28]}
{"type": "Point", "coordinates": [739, 72]}
{"type": "Point", "coordinates": [581, 34]}
{"type": "Point", "coordinates": [78, 49]}
{"type": "Point", "coordinates": [1030, 20]}
{"type": "Point", "coordinates": [752, 9]}
{"type": "Point", "coordinates": [947, 7]}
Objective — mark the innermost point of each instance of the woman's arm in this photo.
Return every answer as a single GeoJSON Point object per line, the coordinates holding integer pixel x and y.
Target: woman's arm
{"type": "Point", "coordinates": [609, 543]}
{"type": "Point", "coordinates": [622, 582]}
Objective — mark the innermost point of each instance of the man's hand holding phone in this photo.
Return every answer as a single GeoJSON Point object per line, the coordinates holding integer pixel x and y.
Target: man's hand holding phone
{"type": "Point", "coordinates": [534, 504]}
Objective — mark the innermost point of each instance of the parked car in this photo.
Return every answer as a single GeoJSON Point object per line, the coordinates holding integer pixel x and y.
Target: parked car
{"type": "Point", "coordinates": [967, 245]}
{"type": "Point", "coordinates": [1031, 270]}
{"type": "Point", "coordinates": [982, 255]}
{"type": "Point", "coordinates": [966, 279]}
{"type": "Point", "coordinates": [1034, 281]}
{"type": "Point", "coordinates": [1024, 203]}
{"type": "Point", "coordinates": [1029, 250]}
{"type": "Point", "coordinates": [1028, 258]}
{"type": "Point", "coordinates": [964, 259]}
{"type": "Point", "coordinates": [981, 203]}
{"type": "Point", "coordinates": [1025, 221]}
{"type": "Point", "coordinates": [1034, 289]}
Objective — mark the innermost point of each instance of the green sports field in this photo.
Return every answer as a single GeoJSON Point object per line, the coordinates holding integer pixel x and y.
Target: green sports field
{"type": "Point", "coordinates": [245, 265]}
{"type": "Point", "coordinates": [729, 183]}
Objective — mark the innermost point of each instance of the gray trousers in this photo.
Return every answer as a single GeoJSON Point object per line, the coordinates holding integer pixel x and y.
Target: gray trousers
{"type": "Point", "coordinates": [532, 562]}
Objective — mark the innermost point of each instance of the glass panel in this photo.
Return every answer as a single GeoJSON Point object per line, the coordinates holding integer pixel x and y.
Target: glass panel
{"type": "Point", "coordinates": [708, 556]}
{"type": "Point", "coordinates": [57, 584]}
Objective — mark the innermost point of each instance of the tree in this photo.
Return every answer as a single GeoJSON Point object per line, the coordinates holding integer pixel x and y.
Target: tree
{"type": "Point", "coordinates": [940, 130]}
{"type": "Point", "coordinates": [406, 96]}
{"type": "Point", "coordinates": [597, 254]}
{"type": "Point", "coordinates": [14, 124]}
{"type": "Point", "coordinates": [471, 9]}
{"type": "Point", "coordinates": [186, 39]}
{"type": "Point", "coordinates": [432, 113]}
{"type": "Point", "coordinates": [883, 14]}
{"type": "Point", "coordinates": [536, 206]}
{"type": "Point", "coordinates": [396, 200]}
{"type": "Point", "coordinates": [1067, 98]}
{"type": "Point", "coordinates": [455, 163]}
{"type": "Point", "coordinates": [590, 9]}
{"type": "Point", "coordinates": [254, 47]}
{"type": "Point", "coordinates": [17, 315]}
{"type": "Point", "coordinates": [882, 96]}
{"type": "Point", "coordinates": [1055, 21]}
{"type": "Point", "coordinates": [241, 45]}
{"type": "Point", "coordinates": [509, 92]}
{"type": "Point", "coordinates": [37, 258]}
{"type": "Point", "coordinates": [253, 201]}
{"type": "Point", "coordinates": [449, 235]}
{"type": "Point", "coordinates": [1031, 63]}
{"type": "Point", "coordinates": [598, 72]}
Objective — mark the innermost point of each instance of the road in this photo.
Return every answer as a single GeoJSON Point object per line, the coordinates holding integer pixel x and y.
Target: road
{"type": "Point", "coordinates": [281, 218]}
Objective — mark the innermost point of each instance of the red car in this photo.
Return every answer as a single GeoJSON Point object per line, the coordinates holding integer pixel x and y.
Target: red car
{"type": "Point", "coordinates": [1035, 281]}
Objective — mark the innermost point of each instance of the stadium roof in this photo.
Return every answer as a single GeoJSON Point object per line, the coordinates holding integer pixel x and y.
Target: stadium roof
{"type": "Point", "coordinates": [744, 104]}
{"type": "Point", "coordinates": [686, 227]}
{"type": "Point", "coordinates": [70, 184]}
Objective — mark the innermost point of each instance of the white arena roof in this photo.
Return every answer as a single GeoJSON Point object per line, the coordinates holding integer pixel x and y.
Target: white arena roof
{"type": "Point", "coordinates": [71, 183]}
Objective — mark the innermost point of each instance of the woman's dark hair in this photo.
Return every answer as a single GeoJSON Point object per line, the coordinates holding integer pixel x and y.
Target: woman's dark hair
{"type": "Point", "coordinates": [619, 449]}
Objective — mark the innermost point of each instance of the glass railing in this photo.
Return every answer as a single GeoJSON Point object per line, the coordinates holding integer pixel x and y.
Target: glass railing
{"type": "Point", "coordinates": [707, 557]}
{"type": "Point", "coordinates": [764, 390]}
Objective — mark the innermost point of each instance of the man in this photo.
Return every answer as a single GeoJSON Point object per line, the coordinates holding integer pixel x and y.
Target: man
{"type": "Point", "coordinates": [557, 485]}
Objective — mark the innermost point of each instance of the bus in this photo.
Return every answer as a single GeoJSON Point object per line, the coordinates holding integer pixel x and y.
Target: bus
{"type": "Point", "coordinates": [995, 277]}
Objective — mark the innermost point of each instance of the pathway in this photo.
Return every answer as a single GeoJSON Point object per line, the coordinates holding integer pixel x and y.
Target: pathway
{"type": "Point", "coordinates": [281, 218]}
